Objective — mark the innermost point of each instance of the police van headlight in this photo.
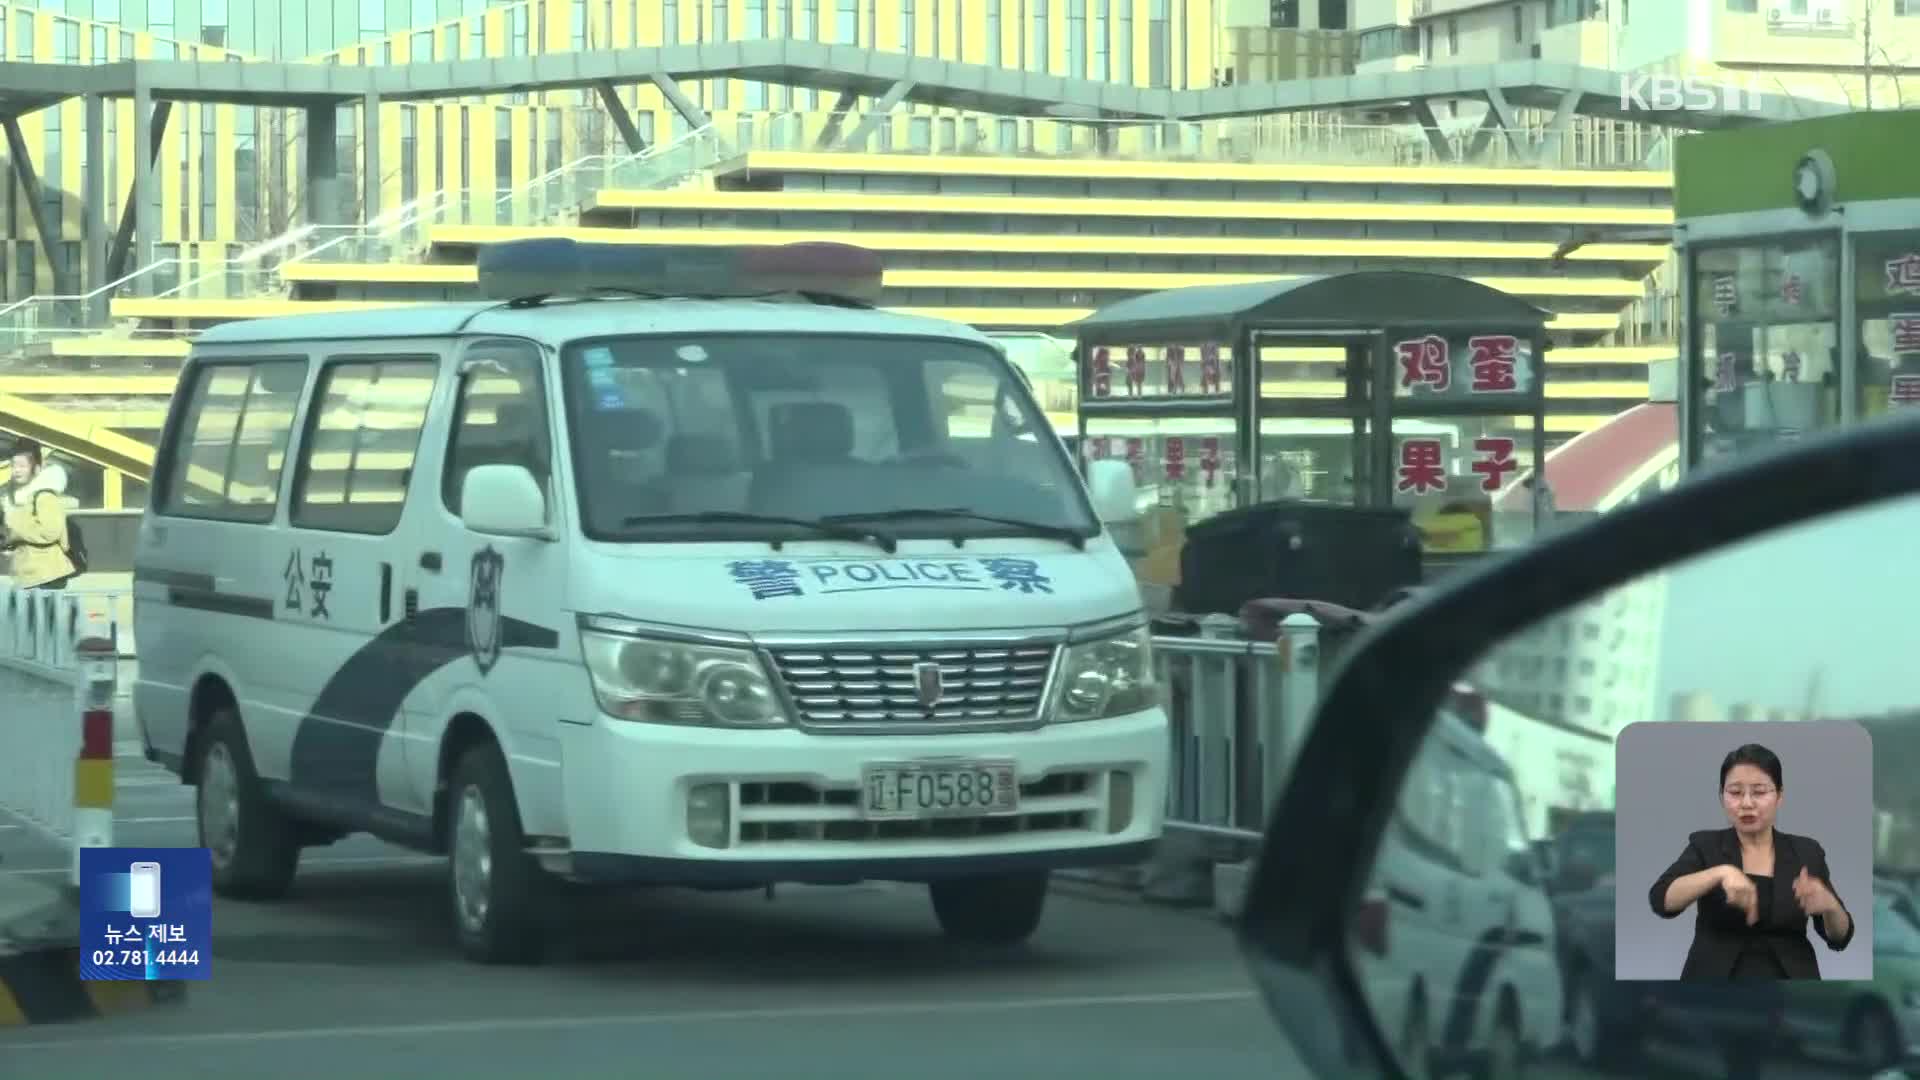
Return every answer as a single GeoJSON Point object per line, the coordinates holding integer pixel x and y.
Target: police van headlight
{"type": "Point", "coordinates": [671, 682]}
{"type": "Point", "coordinates": [1109, 676]}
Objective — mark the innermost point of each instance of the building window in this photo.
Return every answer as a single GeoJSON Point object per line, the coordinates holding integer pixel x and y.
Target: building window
{"type": "Point", "coordinates": [553, 141]}
{"type": "Point", "coordinates": [477, 36]}
{"type": "Point", "coordinates": [26, 270]}
{"type": "Point", "coordinates": [1042, 54]}
{"type": "Point", "coordinates": [1519, 23]}
{"type": "Point", "coordinates": [517, 40]}
{"type": "Point", "coordinates": [1102, 12]}
{"type": "Point", "coordinates": [1388, 42]}
{"type": "Point", "coordinates": [502, 150]}
{"type": "Point", "coordinates": [51, 170]}
{"type": "Point", "coordinates": [1453, 37]}
{"type": "Point", "coordinates": [246, 174]}
{"type": "Point", "coordinates": [373, 19]}
{"type": "Point", "coordinates": [907, 27]}
{"type": "Point", "coordinates": [466, 147]}
{"type": "Point", "coordinates": [166, 269]}
{"type": "Point", "coordinates": [846, 22]}
{"type": "Point", "coordinates": [1077, 39]}
{"type": "Point", "coordinates": [209, 172]}
{"type": "Point", "coordinates": [1123, 45]}
{"type": "Point", "coordinates": [213, 23]}
{"type": "Point", "coordinates": [1159, 45]}
{"type": "Point", "coordinates": [112, 144]}
{"type": "Point", "coordinates": [721, 32]}
{"type": "Point", "coordinates": [66, 41]}
{"type": "Point", "coordinates": [670, 21]}
{"type": "Point", "coordinates": [409, 150]}
{"type": "Point", "coordinates": [993, 33]}
{"type": "Point", "coordinates": [1426, 43]}
{"type": "Point", "coordinates": [577, 25]}
{"type": "Point", "coordinates": [22, 34]}
{"type": "Point", "coordinates": [809, 20]}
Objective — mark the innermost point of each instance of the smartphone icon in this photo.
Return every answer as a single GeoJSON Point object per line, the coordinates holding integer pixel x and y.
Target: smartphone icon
{"type": "Point", "coordinates": [143, 893]}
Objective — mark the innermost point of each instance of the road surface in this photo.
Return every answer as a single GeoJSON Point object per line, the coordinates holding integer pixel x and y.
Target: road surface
{"type": "Point", "coordinates": [354, 975]}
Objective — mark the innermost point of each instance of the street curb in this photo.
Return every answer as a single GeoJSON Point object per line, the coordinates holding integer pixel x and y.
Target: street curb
{"type": "Point", "coordinates": [43, 986]}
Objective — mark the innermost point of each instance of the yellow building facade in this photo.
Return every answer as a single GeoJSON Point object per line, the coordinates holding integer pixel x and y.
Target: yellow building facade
{"type": "Point", "coordinates": [226, 173]}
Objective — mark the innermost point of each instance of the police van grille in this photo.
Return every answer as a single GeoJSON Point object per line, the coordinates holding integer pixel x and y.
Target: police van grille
{"type": "Point", "coordinates": [855, 687]}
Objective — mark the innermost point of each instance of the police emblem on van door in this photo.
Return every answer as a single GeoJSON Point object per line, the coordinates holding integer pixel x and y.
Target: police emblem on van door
{"type": "Point", "coordinates": [483, 608]}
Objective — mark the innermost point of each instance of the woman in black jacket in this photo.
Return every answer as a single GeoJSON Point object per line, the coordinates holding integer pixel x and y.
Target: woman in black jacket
{"type": "Point", "coordinates": [1753, 887]}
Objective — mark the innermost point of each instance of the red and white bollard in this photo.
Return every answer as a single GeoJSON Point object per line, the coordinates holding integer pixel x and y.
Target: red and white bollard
{"type": "Point", "coordinates": [96, 662]}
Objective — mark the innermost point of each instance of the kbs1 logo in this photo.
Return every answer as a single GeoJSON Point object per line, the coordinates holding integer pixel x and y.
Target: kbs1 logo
{"type": "Point", "coordinates": [1685, 93]}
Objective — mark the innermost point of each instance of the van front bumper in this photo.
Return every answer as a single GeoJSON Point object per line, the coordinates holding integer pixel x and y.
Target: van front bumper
{"type": "Point", "coordinates": [640, 803]}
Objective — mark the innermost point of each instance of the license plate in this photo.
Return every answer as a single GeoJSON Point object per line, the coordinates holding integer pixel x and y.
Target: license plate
{"type": "Point", "coordinates": [938, 789]}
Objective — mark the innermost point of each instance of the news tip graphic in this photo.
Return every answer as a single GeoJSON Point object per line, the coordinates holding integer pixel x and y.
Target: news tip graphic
{"type": "Point", "coordinates": [146, 913]}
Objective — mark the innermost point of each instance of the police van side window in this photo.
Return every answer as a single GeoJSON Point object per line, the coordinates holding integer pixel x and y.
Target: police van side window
{"type": "Point", "coordinates": [226, 453]}
{"type": "Point", "coordinates": [499, 416]}
{"type": "Point", "coordinates": [362, 434]}
{"type": "Point", "coordinates": [1439, 810]}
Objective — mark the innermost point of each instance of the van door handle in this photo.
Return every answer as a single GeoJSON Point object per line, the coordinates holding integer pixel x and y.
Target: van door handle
{"type": "Point", "coordinates": [386, 592]}
{"type": "Point", "coordinates": [412, 603]}
{"type": "Point", "coordinates": [430, 560]}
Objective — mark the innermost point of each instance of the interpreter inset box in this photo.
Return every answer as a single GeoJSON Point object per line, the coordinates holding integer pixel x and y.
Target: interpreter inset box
{"type": "Point", "coordinates": [1743, 851]}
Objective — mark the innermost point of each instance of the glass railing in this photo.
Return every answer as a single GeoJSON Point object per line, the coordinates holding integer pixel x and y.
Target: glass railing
{"type": "Point", "coordinates": [398, 235]}
{"type": "Point", "coordinates": [1290, 138]}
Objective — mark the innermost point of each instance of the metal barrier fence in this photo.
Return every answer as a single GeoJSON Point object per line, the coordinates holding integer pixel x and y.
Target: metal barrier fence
{"type": "Point", "coordinates": [59, 673]}
{"type": "Point", "coordinates": [1239, 710]}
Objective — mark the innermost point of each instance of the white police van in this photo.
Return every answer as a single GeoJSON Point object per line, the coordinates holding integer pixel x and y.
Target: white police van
{"type": "Point", "coordinates": [1456, 941]}
{"type": "Point", "coordinates": [604, 581]}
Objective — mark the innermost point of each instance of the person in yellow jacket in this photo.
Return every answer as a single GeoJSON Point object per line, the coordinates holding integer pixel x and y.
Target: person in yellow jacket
{"type": "Point", "coordinates": [36, 519]}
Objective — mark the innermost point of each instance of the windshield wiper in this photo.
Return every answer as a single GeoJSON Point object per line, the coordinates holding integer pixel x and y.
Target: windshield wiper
{"type": "Point", "coordinates": [1038, 528]}
{"type": "Point", "coordinates": [825, 526]}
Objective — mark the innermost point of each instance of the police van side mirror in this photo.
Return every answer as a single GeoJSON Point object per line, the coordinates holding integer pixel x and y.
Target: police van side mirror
{"type": "Point", "coordinates": [1110, 485]}
{"type": "Point", "coordinates": [503, 500]}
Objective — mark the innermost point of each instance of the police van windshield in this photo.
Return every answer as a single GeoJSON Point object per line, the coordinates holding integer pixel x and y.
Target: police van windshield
{"type": "Point", "coordinates": [810, 427]}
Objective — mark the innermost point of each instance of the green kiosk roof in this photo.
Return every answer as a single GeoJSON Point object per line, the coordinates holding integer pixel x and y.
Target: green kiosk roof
{"type": "Point", "coordinates": [1740, 170]}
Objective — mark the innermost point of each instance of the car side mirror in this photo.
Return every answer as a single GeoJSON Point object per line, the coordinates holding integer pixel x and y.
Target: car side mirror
{"type": "Point", "coordinates": [1831, 513]}
{"type": "Point", "coordinates": [1116, 499]}
{"type": "Point", "coordinates": [503, 500]}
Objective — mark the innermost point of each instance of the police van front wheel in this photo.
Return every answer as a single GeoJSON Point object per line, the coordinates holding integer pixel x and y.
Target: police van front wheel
{"type": "Point", "coordinates": [1003, 909]}
{"type": "Point", "coordinates": [252, 845]}
{"type": "Point", "coordinates": [493, 883]}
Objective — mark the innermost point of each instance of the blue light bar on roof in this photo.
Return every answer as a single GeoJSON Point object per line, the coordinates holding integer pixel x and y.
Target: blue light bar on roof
{"type": "Point", "coordinates": [517, 269]}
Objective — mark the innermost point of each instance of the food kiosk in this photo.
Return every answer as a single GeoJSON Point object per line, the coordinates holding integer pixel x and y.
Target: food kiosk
{"type": "Point", "coordinates": [1799, 251]}
{"type": "Point", "coordinates": [1369, 390]}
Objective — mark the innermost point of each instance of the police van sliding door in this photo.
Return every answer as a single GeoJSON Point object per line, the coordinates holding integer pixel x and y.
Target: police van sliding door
{"type": "Point", "coordinates": [356, 657]}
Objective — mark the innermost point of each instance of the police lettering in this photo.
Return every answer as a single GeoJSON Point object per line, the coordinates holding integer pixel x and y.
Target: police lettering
{"type": "Point", "coordinates": [836, 576]}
